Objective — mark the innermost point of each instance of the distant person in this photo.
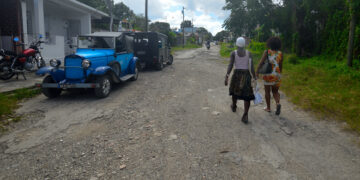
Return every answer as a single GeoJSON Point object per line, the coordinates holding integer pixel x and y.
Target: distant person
{"type": "Point", "coordinates": [240, 85]}
{"type": "Point", "coordinates": [208, 44]}
{"type": "Point", "coordinates": [272, 80]}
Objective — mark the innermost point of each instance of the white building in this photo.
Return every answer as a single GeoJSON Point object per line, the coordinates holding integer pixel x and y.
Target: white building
{"type": "Point", "coordinates": [59, 21]}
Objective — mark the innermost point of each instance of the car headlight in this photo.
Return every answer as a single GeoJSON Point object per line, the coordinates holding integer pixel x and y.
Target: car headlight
{"type": "Point", "coordinates": [55, 62]}
{"type": "Point", "coordinates": [86, 63]}
{"type": "Point", "coordinates": [1, 57]}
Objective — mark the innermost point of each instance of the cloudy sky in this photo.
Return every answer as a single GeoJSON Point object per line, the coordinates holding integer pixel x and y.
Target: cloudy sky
{"type": "Point", "coordinates": [204, 13]}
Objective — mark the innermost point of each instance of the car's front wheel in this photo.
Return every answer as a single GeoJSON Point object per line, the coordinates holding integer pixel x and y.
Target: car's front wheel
{"type": "Point", "coordinates": [104, 86]}
{"type": "Point", "coordinates": [50, 92]}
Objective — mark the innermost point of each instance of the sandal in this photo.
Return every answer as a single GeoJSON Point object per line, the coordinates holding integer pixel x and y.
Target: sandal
{"type": "Point", "coordinates": [266, 109]}
{"type": "Point", "coordinates": [233, 108]}
{"type": "Point", "coordinates": [245, 119]}
{"type": "Point", "coordinates": [278, 109]}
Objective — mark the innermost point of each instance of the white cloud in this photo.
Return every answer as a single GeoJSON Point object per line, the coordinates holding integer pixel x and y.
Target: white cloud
{"type": "Point", "coordinates": [204, 13]}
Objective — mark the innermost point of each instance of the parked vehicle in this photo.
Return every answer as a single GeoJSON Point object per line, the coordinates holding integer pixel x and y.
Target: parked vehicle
{"type": "Point", "coordinates": [17, 64]}
{"type": "Point", "coordinates": [153, 49]}
{"type": "Point", "coordinates": [101, 59]}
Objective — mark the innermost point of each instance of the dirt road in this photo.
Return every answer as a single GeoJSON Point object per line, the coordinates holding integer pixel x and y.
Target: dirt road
{"type": "Point", "coordinates": [174, 124]}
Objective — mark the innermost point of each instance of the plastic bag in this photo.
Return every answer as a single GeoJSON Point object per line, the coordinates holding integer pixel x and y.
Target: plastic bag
{"type": "Point", "coordinates": [258, 97]}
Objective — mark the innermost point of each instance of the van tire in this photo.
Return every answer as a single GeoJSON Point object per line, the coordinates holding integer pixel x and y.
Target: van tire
{"type": "Point", "coordinates": [160, 65]}
{"type": "Point", "coordinates": [171, 60]}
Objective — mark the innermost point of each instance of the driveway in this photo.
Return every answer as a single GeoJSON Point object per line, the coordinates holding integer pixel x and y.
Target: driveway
{"type": "Point", "coordinates": [173, 124]}
{"type": "Point", "coordinates": [13, 83]}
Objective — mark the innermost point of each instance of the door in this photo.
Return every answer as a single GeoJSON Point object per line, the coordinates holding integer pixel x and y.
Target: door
{"type": "Point", "coordinates": [122, 55]}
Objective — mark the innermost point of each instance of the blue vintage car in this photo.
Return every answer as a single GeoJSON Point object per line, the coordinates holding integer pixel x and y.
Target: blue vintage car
{"type": "Point", "coordinates": [101, 59]}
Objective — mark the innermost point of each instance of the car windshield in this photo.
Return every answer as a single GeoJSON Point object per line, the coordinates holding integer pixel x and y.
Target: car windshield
{"type": "Point", "coordinates": [88, 42]}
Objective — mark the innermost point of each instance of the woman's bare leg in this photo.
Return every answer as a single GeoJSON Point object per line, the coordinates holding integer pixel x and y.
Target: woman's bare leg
{"type": "Point", "coordinates": [234, 100]}
{"type": "Point", "coordinates": [276, 94]}
{"type": "Point", "coordinates": [246, 107]}
{"type": "Point", "coordinates": [267, 96]}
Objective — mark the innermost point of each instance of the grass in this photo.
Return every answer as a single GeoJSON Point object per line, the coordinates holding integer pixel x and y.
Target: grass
{"type": "Point", "coordinates": [187, 46]}
{"type": "Point", "coordinates": [10, 101]}
{"type": "Point", "coordinates": [226, 49]}
{"type": "Point", "coordinates": [319, 84]}
{"type": "Point", "coordinates": [324, 86]}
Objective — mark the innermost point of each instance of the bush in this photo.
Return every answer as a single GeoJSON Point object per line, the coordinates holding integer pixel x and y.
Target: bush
{"type": "Point", "coordinates": [226, 49]}
{"type": "Point", "coordinates": [258, 47]}
{"type": "Point", "coordinates": [292, 59]}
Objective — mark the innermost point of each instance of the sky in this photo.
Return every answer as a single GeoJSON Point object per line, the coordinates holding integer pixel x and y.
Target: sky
{"type": "Point", "coordinates": [203, 13]}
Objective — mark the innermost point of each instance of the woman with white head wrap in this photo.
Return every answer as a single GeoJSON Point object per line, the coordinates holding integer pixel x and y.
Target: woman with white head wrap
{"type": "Point", "coordinates": [240, 84]}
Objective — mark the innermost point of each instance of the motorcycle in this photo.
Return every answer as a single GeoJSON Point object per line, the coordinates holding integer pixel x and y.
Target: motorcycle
{"type": "Point", "coordinates": [12, 63]}
{"type": "Point", "coordinates": [208, 46]}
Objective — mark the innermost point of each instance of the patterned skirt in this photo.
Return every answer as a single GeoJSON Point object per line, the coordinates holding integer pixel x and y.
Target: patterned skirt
{"type": "Point", "coordinates": [240, 85]}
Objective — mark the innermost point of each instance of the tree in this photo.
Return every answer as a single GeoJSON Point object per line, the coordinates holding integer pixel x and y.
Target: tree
{"type": "Point", "coordinates": [352, 6]}
{"type": "Point", "coordinates": [97, 4]}
{"type": "Point", "coordinates": [122, 11]}
{"type": "Point", "coordinates": [161, 27]}
{"type": "Point", "coordinates": [186, 24]}
{"type": "Point", "coordinates": [110, 7]}
{"type": "Point", "coordinates": [220, 36]}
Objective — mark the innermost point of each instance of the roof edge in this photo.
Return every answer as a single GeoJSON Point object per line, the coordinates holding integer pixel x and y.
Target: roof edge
{"type": "Point", "coordinates": [89, 8]}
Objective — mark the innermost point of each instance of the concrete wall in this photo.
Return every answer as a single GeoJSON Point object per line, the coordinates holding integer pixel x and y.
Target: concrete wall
{"type": "Point", "coordinates": [58, 24]}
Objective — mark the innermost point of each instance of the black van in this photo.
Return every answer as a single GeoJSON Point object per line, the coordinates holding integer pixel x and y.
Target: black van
{"type": "Point", "coordinates": [152, 49]}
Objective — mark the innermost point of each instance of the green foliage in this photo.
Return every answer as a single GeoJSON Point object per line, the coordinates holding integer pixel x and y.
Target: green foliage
{"type": "Point", "coordinates": [257, 46]}
{"type": "Point", "coordinates": [324, 86]}
{"type": "Point", "coordinates": [172, 38]}
{"type": "Point", "coordinates": [220, 36]}
{"type": "Point", "coordinates": [336, 34]}
{"type": "Point", "coordinates": [97, 4]}
{"type": "Point", "coordinates": [120, 11]}
{"type": "Point", "coordinates": [191, 40]}
{"type": "Point", "coordinates": [306, 27]}
{"type": "Point", "coordinates": [161, 27]}
{"type": "Point", "coordinates": [186, 23]}
{"type": "Point", "coordinates": [293, 59]}
{"type": "Point", "coordinates": [226, 49]}
{"type": "Point", "coordinates": [9, 102]}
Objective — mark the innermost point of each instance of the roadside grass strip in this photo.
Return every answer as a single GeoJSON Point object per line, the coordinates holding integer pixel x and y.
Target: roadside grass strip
{"type": "Point", "coordinates": [9, 102]}
{"type": "Point", "coordinates": [186, 47]}
{"type": "Point", "coordinates": [327, 87]}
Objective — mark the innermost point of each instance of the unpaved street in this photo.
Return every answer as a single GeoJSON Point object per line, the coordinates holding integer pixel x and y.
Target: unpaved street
{"type": "Point", "coordinates": [174, 124]}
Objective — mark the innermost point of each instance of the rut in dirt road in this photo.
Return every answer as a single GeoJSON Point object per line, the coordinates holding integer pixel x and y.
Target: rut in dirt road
{"type": "Point", "coordinates": [173, 124]}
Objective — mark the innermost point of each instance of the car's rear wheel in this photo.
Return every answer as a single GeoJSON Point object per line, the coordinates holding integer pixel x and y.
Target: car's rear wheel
{"type": "Point", "coordinates": [160, 65]}
{"type": "Point", "coordinates": [104, 86]}
{"type": "Point", "coordinates": [171, 60]}
{"type": "Point", "coordinates": [50, 92]}
{"type": "Point", "coordinates": [136, 75]}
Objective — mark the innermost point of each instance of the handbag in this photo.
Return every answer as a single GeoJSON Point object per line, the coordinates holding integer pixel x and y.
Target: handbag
{"type": "Point", "coordinates": [265, 68]}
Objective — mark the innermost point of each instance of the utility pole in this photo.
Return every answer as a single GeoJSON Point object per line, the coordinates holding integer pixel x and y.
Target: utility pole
{"type": "Point", "coordinates": [183, 28]}
{"type": "Point", "coordinates": [146, 15]}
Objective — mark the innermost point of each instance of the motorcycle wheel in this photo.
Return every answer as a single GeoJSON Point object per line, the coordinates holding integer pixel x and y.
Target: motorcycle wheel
{"type": "Point", "coordinates": [5, 75]}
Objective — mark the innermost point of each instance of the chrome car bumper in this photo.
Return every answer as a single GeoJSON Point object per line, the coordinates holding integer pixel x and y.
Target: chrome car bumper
{"type": "Point", "coordinates": [67, 86]}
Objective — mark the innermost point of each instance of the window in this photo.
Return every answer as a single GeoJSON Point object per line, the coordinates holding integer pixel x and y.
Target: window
{"type": "Point", "coordinates": [91, 42]}
{"type": "Point", "coordinates": [120, 45]}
